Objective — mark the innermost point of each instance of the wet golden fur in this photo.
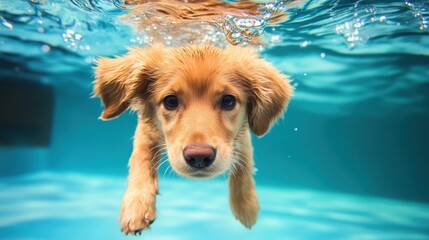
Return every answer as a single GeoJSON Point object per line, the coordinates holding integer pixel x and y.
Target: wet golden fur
{"type": "Point", "coordinates": [199, 76]}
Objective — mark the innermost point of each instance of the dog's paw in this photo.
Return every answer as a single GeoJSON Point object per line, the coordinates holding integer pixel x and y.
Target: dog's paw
{"type": "Point", "coordinates": [246, 208]}
{"type": "Point", "coordinates": [138, 212]}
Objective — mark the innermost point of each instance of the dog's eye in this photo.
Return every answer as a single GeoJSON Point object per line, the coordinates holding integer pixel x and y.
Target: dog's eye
{"type": "Point", "coordinates": [228, 102]}
{"type": "Point", "coordinates": [171, 102]}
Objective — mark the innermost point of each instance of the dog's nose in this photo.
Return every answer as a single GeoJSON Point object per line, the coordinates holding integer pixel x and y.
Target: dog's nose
{"type": "Point", "coordinates": [199, 156]}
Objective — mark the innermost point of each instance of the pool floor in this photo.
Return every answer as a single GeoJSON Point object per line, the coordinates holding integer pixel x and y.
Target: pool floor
{"type": "Point", "coordinates": [51, 205]}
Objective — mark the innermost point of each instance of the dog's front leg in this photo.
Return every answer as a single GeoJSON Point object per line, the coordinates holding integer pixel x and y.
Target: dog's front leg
{"type": "Point", "coordinates": [138, 205]}
{"type": "Point", "coordinates": [243, 197]}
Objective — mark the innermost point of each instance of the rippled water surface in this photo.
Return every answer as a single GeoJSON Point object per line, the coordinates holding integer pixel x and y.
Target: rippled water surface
{"type": "Point", "coordinates": [331, 39]}
{"type": "Point", "coordinates": [349, 161]}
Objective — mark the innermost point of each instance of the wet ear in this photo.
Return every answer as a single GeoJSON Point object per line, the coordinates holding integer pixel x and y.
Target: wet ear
{"type": "Point", "coordinates": [269, 93]}
{"type": "Point", "coordinates": [117, 82]}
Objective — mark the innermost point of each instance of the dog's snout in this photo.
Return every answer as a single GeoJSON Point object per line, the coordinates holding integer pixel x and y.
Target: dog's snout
{"type": "Point", "coordinates": [199, 156]}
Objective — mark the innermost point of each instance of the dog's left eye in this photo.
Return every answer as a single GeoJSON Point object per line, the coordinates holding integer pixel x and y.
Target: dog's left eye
{"type": "Point", "coordinates": [228, 102]}
{"type": "Point", "coordinates": [171, 102]}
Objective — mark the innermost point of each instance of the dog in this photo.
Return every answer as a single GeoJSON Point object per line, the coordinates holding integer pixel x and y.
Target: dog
{"type": "Point", "coordinates": [199, 104]}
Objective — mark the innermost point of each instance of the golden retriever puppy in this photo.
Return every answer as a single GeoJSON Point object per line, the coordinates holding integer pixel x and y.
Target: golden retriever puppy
{"type": "Point", "coordinates": [198, 103]}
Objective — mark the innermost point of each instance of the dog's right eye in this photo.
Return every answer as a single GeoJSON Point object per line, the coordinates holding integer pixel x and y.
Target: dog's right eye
{"type": "Point", "coordinates": [171, 102]}
{"type": "Point", "coordinates": [228, 102]}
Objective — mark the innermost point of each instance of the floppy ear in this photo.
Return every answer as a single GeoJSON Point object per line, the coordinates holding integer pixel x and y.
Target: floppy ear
{"type": "Point", "coordinates": [269, 91]}
{"type": "Point", "coordinates": [118, 80]}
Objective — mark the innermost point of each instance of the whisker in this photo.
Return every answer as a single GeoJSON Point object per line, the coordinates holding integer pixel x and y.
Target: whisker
{"type": "Point", "coordinates": [233, 170]}
{"type": "Point", "coordinates": [240, 162]}
{"type": "Point", "coordinates": [163, 160]}
{"type": "Point", "coordinates": [243, 162]}
{"type": "Point", "coordinates": [156, 165]}
{"type": "Point", "coordinates": [157, 146]}
{"type": "Point", "coordinates": [155, 161]}
{"type": "Point", "coordinates": [168, 167]}
{"type": "Point", "coordinates": [160, 150]}
{"type": "Point", "coordinates": [171, 171]}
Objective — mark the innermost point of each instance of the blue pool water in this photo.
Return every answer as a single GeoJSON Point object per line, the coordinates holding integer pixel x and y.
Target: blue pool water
{"type": "Point", "coordinates": [71, 205]}
{"type": "Point", "coordinates": [350, 160]}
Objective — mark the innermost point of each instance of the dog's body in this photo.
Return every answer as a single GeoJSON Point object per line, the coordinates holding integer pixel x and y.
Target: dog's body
{"type": "Point", "coordinates": [198, 103]}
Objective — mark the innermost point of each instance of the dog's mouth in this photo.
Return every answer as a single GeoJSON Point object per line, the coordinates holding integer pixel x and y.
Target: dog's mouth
{"type": "Point", "coordinates": [201, 174]}
{"type": "Point", "coordinates": [195, 173]}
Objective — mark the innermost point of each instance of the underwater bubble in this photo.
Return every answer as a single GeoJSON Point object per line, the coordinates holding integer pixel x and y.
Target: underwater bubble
{"type": "Point", "coordinates": [322, 55]}
{"type": "Point", "coordinates": [45, 48]}
{"type": "Point", "coordinates": [78, 37]}
{"type": "Point", "coordinates": [351, 31]}
{"type": "Point", "coordinates": [236, 35]}
{"type": "Point", "coordinates": [73, 39]}
{"type": "Point", "coordinates": [69, 34]}
{"type": "Point", "coordinates": [419, 10]}
{"type": "Point", "coordinates": [237, 27]}
{"type": "Point", "coordinates": [304, 44]}
{"type": "Point", "coordinates": [275, 38]}
{"type": "Point", "coordinates": [295, 129]}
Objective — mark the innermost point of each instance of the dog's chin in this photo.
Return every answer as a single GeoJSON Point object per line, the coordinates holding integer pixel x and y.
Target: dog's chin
{"type": "Point", "coordinates": [201, 174]}
{"type": "Point", "coordinates": [198, 173]}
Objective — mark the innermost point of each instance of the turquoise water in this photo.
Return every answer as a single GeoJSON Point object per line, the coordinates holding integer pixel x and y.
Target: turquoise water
{"type": "Point", "coordinates": [350, 159]}
{"type": "Point", "coordinates": [78, 206]}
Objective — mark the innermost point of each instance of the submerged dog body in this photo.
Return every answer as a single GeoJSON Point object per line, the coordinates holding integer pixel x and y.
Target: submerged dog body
{"type": "Point", "coordinates": [197, 103]}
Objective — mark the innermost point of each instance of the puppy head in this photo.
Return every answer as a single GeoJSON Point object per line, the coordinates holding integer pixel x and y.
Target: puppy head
{"type": "Point", "coordinates": [202, 100]}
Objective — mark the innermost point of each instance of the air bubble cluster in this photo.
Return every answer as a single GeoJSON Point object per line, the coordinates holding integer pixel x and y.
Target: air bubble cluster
{"type": "Point", "coordinates": [352, 32]}
{"type": "Point", "coordinates": [242, 29]}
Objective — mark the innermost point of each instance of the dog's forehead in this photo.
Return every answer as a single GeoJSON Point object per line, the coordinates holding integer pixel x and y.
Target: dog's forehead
{"type": "Point", "coordinates": [195, 73]}
{"type": "Point", "coordinates": [198, 82]}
